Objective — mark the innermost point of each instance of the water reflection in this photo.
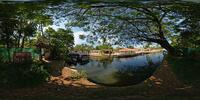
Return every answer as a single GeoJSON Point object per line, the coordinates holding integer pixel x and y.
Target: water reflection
{"type": "Point", "coordinates": [122, 71]}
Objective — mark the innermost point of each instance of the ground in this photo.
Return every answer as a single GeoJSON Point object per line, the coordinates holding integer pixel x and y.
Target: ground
{"type": "Point", "coordinates": [163, 85]}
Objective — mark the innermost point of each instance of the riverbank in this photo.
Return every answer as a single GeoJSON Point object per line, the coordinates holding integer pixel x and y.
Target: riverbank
{"type": "Point", "coordinates": [125, 53]}
{"type": "Point", "coordinates": [71, 77]}
{"type": "Point", "coordinates": [163, 85]}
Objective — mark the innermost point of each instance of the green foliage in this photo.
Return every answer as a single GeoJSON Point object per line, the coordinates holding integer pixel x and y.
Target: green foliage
{"type": "Point", "coordinates": [78, 75]}
{"type": "Point", "coordinates": [60, 42]}
{"type": "Point", "coordinates": [82, 37]}
{"type": "Point", "coordinates": [192, 52]}
{"type": "Point", "coordinates": [189, 39]}
{"type": "Point", "coordinates": [20, 22]}
{"type": "Point", "coordinates": [188, 29]}
{"type": "Point", "coordinates": [187, 52]}
{"type": "Point", "coordinates": [124, 23]}
{"type": "Point", "coordinates": [121, 23]}
{"type": "Point", "coordinates": [25, 74]}
{"type": "Point", "coordinates": [187, 67]}
{"type": "Point", "coordinates": [83, 48]}
{"type": "Point", "coordinates": [105, 46]}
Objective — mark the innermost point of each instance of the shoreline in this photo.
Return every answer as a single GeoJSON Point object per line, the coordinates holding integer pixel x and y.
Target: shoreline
{"type": "Point", "coordinates": [124, 55]}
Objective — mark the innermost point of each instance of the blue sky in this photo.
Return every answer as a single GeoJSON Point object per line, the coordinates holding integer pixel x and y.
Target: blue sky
{"type": "Point", "coordinates": [76, 31]}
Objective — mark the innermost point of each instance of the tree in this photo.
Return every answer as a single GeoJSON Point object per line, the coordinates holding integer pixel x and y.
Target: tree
{"type": "Point", "coordinates": [23, 21]}
{"type": "Point", "coordinates": [83, 48]}
{"type": "Point", "coordinates": [116, 22]}
{"type": "Point", "coordinates": [82, 37]}
{"type": "Point", "coordinates": [60, 42]}
{"type": "Point", "coordinates": [7, 31]}
{"type": "Point", "coordinates": [188, 27]}
{"type": "Point", "coordinates": [103, 47]}
{"type": "Point", "coordinates": [125, 22]}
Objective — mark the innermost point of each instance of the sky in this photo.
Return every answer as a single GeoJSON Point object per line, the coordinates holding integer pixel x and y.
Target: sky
{"type": "Point", "coordinates": [76, 31]}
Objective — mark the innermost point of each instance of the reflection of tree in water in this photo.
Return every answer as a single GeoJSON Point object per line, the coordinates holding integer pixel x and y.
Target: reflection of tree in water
{"type": "Point", "coordinates": [84, 62]}
{"type": "Point", "coordinates": [129, 75]}
{"type": "Point", "coordinates": [149, 60]}
{"type": "Point", "coordinates": [104, 59]}
{"type": "Point", "coordinates": [104, 62]}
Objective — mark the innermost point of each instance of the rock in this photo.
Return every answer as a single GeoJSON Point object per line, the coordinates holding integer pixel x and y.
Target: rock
{"type": "Point", "coordinates": [152, 78]}
{"type": "Point", "coordinates": [68, 72]}
{"type": "Point", "coordinates": [158, 83]}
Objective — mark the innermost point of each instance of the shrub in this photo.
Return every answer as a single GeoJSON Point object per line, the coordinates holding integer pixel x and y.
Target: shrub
{"type": "Point", "coordinates": [187, 69]}
{"type": "Point", "coordinates": [190, 52]}
{"type": "Point", "coordinates": [26, 74]}
{"type": "Point", "coordinates": [78, 75]}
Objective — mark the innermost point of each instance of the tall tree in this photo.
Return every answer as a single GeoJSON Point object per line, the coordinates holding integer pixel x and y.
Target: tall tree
{"type": "Point", "coordinates": [128, 22]}
{"type": "Point", "coordinates": [60, 42]}
{"type": "Point", "coordinates": [23, 21]}
{"type": "Point", "coordinates": [189, 27]}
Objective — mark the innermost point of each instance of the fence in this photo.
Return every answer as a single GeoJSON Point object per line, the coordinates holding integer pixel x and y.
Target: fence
{"type": "Point", "coordinates": [6, 54]}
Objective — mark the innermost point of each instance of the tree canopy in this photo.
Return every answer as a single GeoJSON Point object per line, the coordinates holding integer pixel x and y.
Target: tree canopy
{"type": "Point", "coordinates": [126, 23]}
{"type": "Point", "coordinates": [60, 42]}
{"type": "Point", "coordinates": [167, 23]}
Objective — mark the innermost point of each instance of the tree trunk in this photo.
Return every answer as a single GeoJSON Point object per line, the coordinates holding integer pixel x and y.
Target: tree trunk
{"type": "Point", "coordinates": [23, 41]}
{"type": "Point", "coordinates": [171, 50]}
{"type": "Point", "coordinates": [41, 29]}
{"type": "Point", "coordinates": [40, 58]}
{"type": "Point", "coordinates": [19, 38]}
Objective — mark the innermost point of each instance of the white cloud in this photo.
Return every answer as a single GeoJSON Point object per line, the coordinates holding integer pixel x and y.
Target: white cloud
{"type": "Point", "coordinates": [77, 40]}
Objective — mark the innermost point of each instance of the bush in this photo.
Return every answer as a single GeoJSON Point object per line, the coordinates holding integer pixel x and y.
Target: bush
{"type": "Point", "coordinates": [26, 74]}
{"type": "Point", "coordinates": [190, 52]}
{"type": "Point", "coordinates": [78, 75]}
{"type": "Point", "coordinates": [187, 69]}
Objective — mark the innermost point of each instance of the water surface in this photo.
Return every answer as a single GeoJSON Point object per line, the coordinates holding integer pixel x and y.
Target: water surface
{"type": "Point", "coordinates": [121, 71]}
